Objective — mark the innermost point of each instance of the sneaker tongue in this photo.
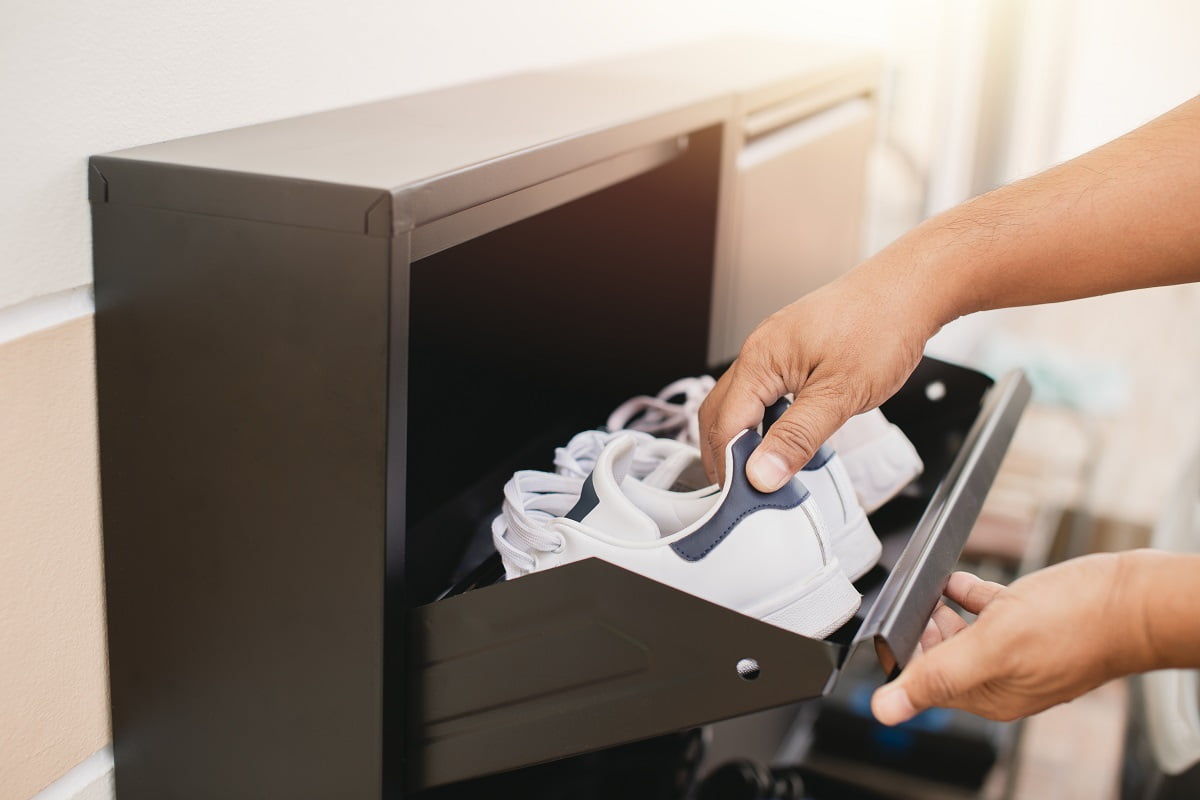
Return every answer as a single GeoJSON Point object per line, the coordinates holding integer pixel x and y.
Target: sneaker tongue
{"type": "Point", "coordinates": [603, 506]}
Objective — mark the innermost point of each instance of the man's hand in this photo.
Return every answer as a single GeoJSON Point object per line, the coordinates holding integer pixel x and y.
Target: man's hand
{"type": "Point", "coordinates": [1047, 638]}
{"type": "Point", "coordinates": [841, 350]}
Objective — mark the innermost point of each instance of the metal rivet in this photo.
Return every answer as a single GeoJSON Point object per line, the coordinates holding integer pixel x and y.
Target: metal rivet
{"type": "Point", "coordinates": [747, 668]}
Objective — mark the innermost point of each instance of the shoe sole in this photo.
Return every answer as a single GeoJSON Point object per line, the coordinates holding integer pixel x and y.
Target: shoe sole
{"type": "Point", "coordinates": [857, 547]}
{"type": "Point", "coordinates": [824, 603]}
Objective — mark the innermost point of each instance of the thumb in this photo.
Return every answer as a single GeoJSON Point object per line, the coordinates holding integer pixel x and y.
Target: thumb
{"type": "Point", "coordinates": [939, 677]}
{"type": "Point", "coordinates": [793, 439]}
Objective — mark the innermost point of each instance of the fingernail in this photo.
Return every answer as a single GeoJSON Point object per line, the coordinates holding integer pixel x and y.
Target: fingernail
{"type": "Point", "coordinates": [767, 471]}
{"type": "Point", "coordinates": [891, 705]}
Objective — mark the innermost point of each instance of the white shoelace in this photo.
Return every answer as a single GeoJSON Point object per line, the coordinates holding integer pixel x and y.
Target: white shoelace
{"type": "Point", "coordinates": [533, 499]}
{"type": "Point", "coordinates": [661, 416]}
{"type": "Point", "coordinates": [578, 457]}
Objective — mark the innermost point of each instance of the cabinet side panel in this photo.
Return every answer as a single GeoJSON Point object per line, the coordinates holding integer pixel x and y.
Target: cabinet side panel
{"type": "Point", "coordinates": [242, 390]}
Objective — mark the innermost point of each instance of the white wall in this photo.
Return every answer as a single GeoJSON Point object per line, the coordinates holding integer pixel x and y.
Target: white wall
{"type": "Point", "coordinates": [84, 78]}
{"type": "Point", "coordinates": [1127, 62]}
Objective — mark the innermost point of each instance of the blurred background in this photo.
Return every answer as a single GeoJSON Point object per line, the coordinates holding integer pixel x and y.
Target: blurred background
{"type": "Point", "coordinates": [976, 93]}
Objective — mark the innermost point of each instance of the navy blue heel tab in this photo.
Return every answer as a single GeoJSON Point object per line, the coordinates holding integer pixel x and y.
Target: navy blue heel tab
{"type": "Point", "coordinates": [741, 501]}
{"type": "Point", "coordinates": [773, 412]}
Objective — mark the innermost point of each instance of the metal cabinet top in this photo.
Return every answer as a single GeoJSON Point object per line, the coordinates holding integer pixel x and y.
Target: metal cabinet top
{"type": "Point", "coordinates": [508, 133]}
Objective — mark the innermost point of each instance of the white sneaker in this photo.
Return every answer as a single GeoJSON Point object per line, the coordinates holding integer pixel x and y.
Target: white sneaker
{"type": "Point", "coordinates": [667, 464]}
{"type": "Point", "coordinates": [673, 413]}
{"type": "Point", "coordinates": [678, 466]}
{"type": "Point", "coordinates": [764, 555]}
{"type": "Point", "coordinates": [879, 458]}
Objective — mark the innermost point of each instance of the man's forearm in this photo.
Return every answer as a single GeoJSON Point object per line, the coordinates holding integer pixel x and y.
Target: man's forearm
{"type": "Point", "coordinates": [1123, 216]}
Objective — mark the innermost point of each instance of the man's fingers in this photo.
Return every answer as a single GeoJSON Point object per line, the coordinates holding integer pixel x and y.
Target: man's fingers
{"type": "Point", "coordinates": [940, 677]}
{"type": "Point", "coordinates": [931, 637]}
{"type": "Point", "coordinates": [942, 625]}
{"type": "Point", "coordinates": [970, 592]}
{"type": "Point", "coordinates": [814, 416]}
{"type": "Point", "coordinates": [731, 407]}
{"type": "Point", "coordinates": [708, 413]}
{"type": "Point", "coordinates": [948, 671]}
{"type": "Point", "coordinates": [947, 622]}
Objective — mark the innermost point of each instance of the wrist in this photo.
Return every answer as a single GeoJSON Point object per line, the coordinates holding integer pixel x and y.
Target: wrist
{"type": "Point", "coordinates": [903, 282]}
{"type": "Point", "coordinates": [927, 275]}
{"type": "Point", "coordinates": [1134, 648]}
{"type": "Point", "coordinates": [958, 261]}
{"type": "Point", "coordinates": [1161, 590]}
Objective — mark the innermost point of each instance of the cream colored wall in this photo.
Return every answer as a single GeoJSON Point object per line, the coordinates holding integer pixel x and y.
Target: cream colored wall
{"type": "Point", "coordinates": [53, 685]}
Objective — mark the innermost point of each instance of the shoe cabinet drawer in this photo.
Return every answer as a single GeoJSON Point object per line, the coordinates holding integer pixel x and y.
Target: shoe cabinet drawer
{"type": "Point", "coordinates": [589, 655]}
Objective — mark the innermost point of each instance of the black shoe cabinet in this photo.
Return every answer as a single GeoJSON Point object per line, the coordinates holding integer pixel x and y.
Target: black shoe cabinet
{"type": "Point", "coordinates": [322, 346]}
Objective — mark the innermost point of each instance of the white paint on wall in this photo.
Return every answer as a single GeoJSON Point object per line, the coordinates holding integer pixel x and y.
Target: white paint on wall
{"type": "Point", "coordinates": [1041, 68]}
{"type": "Point", "coordinates": [1127, 63]}
{"type": "Point", "coordinates": [957, 103]}
{"type": "Point", "coordinates": [46, 311]}
{"type": "Point", "coordinates": [92, 779]}
{"type": "Point", "coordinates": [83, 78]}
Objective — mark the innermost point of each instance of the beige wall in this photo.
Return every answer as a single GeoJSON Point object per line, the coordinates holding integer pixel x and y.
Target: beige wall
{"type": "Point", "coordinates": [53, 683]}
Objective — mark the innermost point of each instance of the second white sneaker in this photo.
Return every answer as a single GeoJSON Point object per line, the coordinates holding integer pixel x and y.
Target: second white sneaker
{"type": "Point", "coordinates": [879, 459]}
{"type": "Point", "coordinates": [854, 540]}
